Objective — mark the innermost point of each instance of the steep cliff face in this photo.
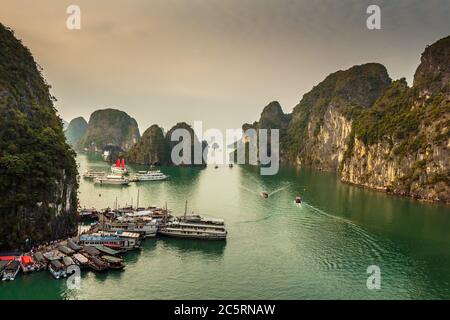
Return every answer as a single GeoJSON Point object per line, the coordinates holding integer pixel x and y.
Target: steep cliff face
{"type": "Point", "coordinates": [38, 174]}
{"type": "Point", "coordinates": [402, 144]}
{"type": "Point", "coordinates": [375, 132]}
{"type": "Point", "coordinates": [109, 127]}
{"type": "Point", "coordinates": [320, 124]}
{"type": "Point", "coordinates": [75, 131]}
{"type": "Point", "coordinates": [151, 149]}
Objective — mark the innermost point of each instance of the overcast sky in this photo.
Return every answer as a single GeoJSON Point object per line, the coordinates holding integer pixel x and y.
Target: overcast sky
{"type": "Point", "coordinates": [220, 61]}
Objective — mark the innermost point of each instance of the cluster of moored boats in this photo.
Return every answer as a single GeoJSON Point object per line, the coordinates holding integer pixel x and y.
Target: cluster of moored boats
{"type": "Point", "coordinates": [115, 232]}
{"type": "Point", "coordinates": [119, 175]}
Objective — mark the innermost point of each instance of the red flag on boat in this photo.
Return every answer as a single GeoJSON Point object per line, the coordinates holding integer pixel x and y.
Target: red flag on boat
{"type": "Point", "coordinates": [123, 163]}
{"type": "Point", "coordinates": [117, 163]}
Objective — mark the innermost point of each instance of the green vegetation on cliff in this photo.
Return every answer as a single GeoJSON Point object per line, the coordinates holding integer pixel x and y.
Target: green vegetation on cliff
{"type": "Point", "coordinates": [151, 149]}
{"type": "Point", "coordinates": [350, 91]}
{"type": "Point", "coordinates": [37, 167]}
{"type": "Point", "coordinates": [110, 127]}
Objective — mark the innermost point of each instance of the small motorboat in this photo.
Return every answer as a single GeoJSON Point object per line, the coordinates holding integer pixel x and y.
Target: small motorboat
{"type": "Point", "coordinates": [216, 167]}
{"type": "Point", "coordinates": [230, 165]}
{"type": "Point", "coordinates": [264, 194]}
{"type": "Point", "coordinates": [298, 200]}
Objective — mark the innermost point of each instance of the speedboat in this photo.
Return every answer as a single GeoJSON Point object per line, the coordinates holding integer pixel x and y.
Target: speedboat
{"type": "Point", "coordinates": [264, 194]}
{"type": "Point", "coordinates": [298, 200]}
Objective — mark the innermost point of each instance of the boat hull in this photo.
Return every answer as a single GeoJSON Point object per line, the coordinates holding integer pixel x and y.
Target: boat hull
{"type": "Point", "coordinates": [192, 236]}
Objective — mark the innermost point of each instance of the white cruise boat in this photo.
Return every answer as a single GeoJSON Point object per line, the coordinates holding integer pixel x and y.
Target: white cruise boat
{"type": "Point", "coordinates": [155, 175]}
{"type": "Point", "coordinates": [146, 229]}
{"type": "Point", "coordinates": [92, 174]}
{"type": "Point", "coordinates": [194, 230]}
{"type": "Point", "coordinates": [112, 179]}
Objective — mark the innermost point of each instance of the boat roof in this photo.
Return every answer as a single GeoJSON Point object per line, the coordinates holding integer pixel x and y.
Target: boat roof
{"type": "Point", "coordinates": [72, 245]}
{"type": "Point", "coordinates": [107, 250]}
{"type": "Point", "coordinates": [65, 249]}
{"type": "Point", "coordinates": [80, 258]}
{"type": "Point", "coordinates": [120, 233]}
{"type": "Point", "coordinates": [13, 265]}
{"type": "Point", "coordinates": [91, 250]}
{"type": "Point", "coordinates": [39, 256]}
{"type": "Point", "coordinates": [68, 261]}
{"type": "Point", "coordinates": [112, 259]}
{"type": "Point", "coordinates": [98, 238]}
{"type": "Point", "coordinates": [7, 258]}
{"type": "Point", "coordinates": [56, 264]}
{"type": "Point", "coordinates": [26, 259]}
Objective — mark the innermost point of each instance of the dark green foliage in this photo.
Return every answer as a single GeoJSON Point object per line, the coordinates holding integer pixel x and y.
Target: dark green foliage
{"type": "Point", "coordinates": [397, 116]}
{"type": "Point", "coordinates": [37, 167]}
{"type": "Point", "coordinates": [110, 127]}
{"type": "Point", "coordinates": [151, 149]}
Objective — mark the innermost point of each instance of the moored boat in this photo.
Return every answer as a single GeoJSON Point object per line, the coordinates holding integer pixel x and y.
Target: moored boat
{"type": "Point", "coordinates": [114, 242]}
{"type": "Point", "coordinates": [27, 264]}
{"type": "Point", "coordinates": [97, 264]}
{"type": "Point", "coordinates": [40, 263]}
{"type": "Point", "coordinates": [88, 214]}
{"type": "Point", "coordinates": [155, 175]}
{"type": "Point", "coordinates": [56, 268]}
{"type": "Point", "coordinates": [11, 270]}
{"type": "Point", "coordinates": [112, 179]}
{"type": "Point", "coordinates": [3, 264]}
{"type": "Point", "coordinates": [92, 174]}
{"type": "Point", "coordinates": [80, 260]}
{"type": "Point", "coordinates": [65, 250]}
{"type": "Point", "coordinates": [119, 167]}
{"type": "Point", "coordinates": [192, 230]}
{"type": "Point", "coordinates": [114, 262]}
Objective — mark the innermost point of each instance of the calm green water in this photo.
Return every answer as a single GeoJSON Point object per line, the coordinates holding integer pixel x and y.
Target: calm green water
{"type": "Point", "coordinates": [275, 249]}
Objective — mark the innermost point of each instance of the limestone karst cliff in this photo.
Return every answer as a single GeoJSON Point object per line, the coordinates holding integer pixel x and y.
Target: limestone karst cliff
{"type": "Point", "coordinates": [377, 133]}
{"type": "Point", "coordinates": [75, 131]}
{"type": "Point", "coordinates": [38, 173]}
{"type": "Point", "coordinates": [109, 127]}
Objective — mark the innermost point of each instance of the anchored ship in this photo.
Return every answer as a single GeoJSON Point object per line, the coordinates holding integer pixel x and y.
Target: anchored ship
{"type": "Point", "coordinates": [155, 175]}
{"type": "Point", "coordinates": [195, 227]}
{"type": "Point", "coordinates": [112, 179]}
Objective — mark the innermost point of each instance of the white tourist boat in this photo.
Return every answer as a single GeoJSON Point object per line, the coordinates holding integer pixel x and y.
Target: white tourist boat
{"type": "Point", "coordinates": [112, 179]}
{"type": "Point", "coordinates": [155, 175]}
{"type": "Point", "coordinates": [195, 227]}
{"type": "Point", "coordinates": [146, 229]}
{"type": "Point", "coordinates": [194, 230]}
{"type": "Point", "coordinates": [92, 174]}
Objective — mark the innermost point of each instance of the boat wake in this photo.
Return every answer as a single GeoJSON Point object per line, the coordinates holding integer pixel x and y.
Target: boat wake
{"type": "Point", "coordinates": [365, 236]}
